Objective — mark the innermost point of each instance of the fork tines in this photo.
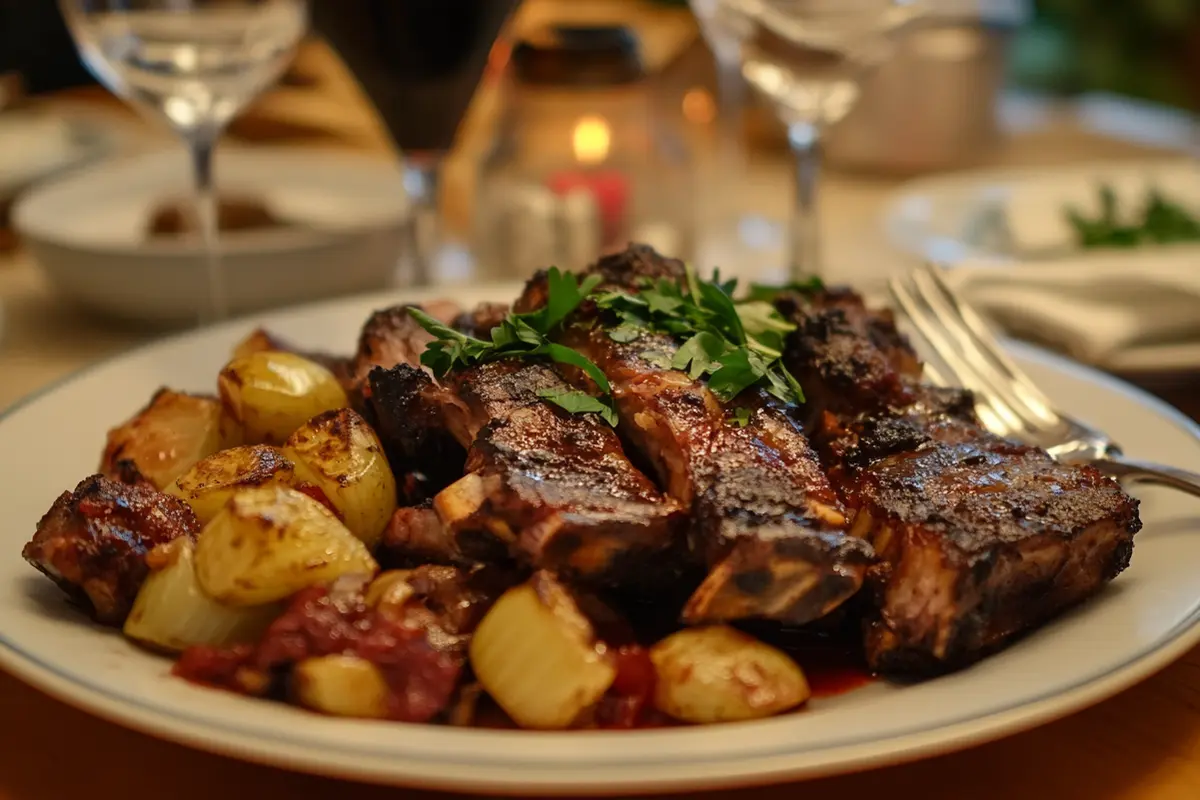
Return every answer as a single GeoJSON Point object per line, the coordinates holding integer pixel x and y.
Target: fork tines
{"type": "Point", "coordinates": [1007, 401]}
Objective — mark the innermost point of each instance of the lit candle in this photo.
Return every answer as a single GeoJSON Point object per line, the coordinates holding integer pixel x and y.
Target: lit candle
{"type": "Point", "coordinates": [591, 141]}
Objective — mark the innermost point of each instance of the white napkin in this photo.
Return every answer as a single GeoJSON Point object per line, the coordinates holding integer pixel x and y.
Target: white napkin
{"type": "Point", "coordinates": [1093, 306]}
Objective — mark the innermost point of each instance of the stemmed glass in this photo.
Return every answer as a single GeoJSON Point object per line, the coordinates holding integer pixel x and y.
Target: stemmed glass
{"type": "Point", "coordinates": [196, 64]}
{"type": "Point", "coordinates": [731, 230]}
{"type": "Point", "coordinates": [420, 62]}
{"type": "Point", "coordinates": [808, 57]}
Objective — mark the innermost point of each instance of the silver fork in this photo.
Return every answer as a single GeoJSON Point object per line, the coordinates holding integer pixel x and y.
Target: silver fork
{"type": "Point", "coordinates": [1007, 400]}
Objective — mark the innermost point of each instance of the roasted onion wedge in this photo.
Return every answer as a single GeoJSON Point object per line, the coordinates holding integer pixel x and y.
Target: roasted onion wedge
{"type": "Point", "coordinates": [535, 653]}
{"type": "Point", "coordinates": [339, 453]}
{"type": "Point", "coordinates": [719, 674]}
{"type": "Point", "coordinates": [209, 485]}
{"type": "Point", "coordinates": [273, 393]}
{"type": "Point", "coordinates": [270, 542]}
{"type": "Point", "coordinates": [341, 685]}
{"type": "Point", "coordinates": [172, 612]}
{"type": "Point", "coordinates": [168, 436]}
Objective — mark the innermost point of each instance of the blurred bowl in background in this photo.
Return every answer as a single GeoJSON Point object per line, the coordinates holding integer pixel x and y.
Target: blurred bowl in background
{"type": "Point", "coordinates": [932, 106]}
{"type": "Point", "coordinates": [320, 224]}
{"type": "Point", "coordinates": [35, 144]}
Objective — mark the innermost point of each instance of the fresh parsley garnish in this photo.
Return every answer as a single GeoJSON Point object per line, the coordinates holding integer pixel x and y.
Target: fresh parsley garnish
{"type": "Point", "coordinates": [767, 292]}
{"type": "Point", "coordinates": [578, 402]}
{"type": "Point", "coordinates": [740, 417]}
{"type": "Point", "coordinates": [526, 336]}
{"type": "Point", "coordinates": [1160, 221]}
{"type": "Point", "coordinates": [735, 344]}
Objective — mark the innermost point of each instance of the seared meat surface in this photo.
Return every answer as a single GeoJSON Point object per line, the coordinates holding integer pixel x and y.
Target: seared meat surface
{"type": "Point", "coordinates": [93, 541]}
{"type": "Point", "coordinates": [765, 521]}
{"type": "Point", "coordinates": [391, 336]}
{"type": "Point", "coordinates": [846, 356]}
{"type": "Point", "coordinates": [552, 488]}
{"type": "Point", "coordinates": [979, 538]}
{"type": "Point", "coordinates": [419, 646]}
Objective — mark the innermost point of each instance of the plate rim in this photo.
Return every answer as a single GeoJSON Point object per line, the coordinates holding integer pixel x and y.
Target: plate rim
{"type": "Point", "coordinates": [235, 741]}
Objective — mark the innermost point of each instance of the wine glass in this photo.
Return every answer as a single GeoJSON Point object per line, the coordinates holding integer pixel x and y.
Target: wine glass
{"type": "Point", "coordinates": [420, 62]}
{"type": "Point", "coordinates": [731, 232]}
{"type": "Point", "coordinates": [196, 64]}
{"type": "Point", "coordinates": [808, 57]}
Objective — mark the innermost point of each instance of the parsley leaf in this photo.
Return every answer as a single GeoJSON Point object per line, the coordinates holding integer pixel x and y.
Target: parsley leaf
{"type": "Point", "coordinates": [760, 319]}
{"type": "Point", "coordinates": [738, 344]}
{"type": "Point", "coordinates": [767, 293]}
{"type": "Point", "coordinates": [697, 354]}
{"type": "Point", "coordinates": [564, 295]}
{"type": "Point", "coordinates": [626, 332]}
{"type": "Point", "coordinates": [449, 346]}
{"type": "Point", "coordinates": [737, 371]}
{"type": "Point", "coordinates": [656, 358]}
{"type": "Point", "coordinates": [740, 417]}
{"type": "Point", "coordinates": [525, 336]}
{"type": "Point", "coordinates": [577, 402]}
{"type": "Point", "coordinates": [565, 355]}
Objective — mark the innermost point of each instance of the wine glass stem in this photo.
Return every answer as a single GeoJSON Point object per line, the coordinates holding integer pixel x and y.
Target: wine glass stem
{"type": "Point", "coordinates": [422, 179]}
{"type": "Point", "coordinates": [205, 199]}
{"type": "Point", "coordinates": [804, 238]}
{"type": "Point", "coordinates": [731, 98]}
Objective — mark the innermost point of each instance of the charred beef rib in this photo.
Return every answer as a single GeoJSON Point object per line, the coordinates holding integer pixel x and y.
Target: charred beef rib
{"type": "Point", "coordinates": [552, 488]}
{"type": "Point", "coordinates": [765, 521]}
{"type": "Point", "coordinates": [93, 541]}
{"type": "Point", "coordinates": [979, 538]}
{"type": "Point", "coordinates": [391, 336]}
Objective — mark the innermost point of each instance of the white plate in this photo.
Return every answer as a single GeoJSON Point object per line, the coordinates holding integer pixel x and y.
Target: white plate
{"type": "Point", "coordinates": [1136, 626]}
{"type": "Point", "coordinates": [958, 216]}
{"type": "Point", "coordinates": [87, 232]}
{"type": "Point", "coordinates": [1014, 217]}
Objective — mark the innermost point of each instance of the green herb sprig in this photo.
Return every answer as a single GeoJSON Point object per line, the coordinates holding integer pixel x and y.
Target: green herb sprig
{"type": "Point", "coordinates": [735, 344]}
{"type": "Point", "coordinates": [526, 336]}
{"type": "Point", "coordinates": [1161, 221]}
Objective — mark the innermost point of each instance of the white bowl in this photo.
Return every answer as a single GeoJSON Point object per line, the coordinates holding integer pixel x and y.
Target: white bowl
{"type": "Point", "coordinates": [87, 232]}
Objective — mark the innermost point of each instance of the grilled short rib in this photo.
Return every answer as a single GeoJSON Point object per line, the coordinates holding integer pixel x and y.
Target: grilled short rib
{"type": "Point", "coordinates": [979, 538]}
{"type": "Point", "coordinates": [93, 541]}
{"type": "Point", "coordinates": [765, 522]}
{"type": "Point", "coordinates": [391, 336]}
{"type": "Point", "coordinates": [552, 488]}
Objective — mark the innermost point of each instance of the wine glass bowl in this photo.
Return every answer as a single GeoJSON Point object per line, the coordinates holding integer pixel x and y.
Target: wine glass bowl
{"type": "Point", "coordinates": [195, 64]}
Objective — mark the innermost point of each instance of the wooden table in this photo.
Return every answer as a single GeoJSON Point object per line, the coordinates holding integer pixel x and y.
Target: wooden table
{"type": "Point", "coordinates": [1141, 745]}
{"type": "Point", "coordinates": [1144, 743]}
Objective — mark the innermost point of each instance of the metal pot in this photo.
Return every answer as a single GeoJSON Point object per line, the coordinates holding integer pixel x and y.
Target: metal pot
{"type": "Point", "coordinates": [933, 105]}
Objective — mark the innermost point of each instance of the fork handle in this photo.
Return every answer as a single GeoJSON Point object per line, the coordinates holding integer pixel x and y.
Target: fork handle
{"type": "Point", "coordinates": [1135, 471]}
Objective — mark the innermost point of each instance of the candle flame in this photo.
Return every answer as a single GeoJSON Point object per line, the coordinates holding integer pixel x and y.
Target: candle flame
{"type": "Point", "coordinates": [591, 139]}
{"type": "Point", "coordinates": [699, 107]}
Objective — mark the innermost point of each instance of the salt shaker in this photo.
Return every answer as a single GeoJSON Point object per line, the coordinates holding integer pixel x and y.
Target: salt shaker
{"type": "Point", "coordinates": [581, 165]}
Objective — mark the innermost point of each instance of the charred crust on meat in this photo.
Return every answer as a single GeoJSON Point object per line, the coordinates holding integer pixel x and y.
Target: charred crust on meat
{"type": "Point", "coordinates": [411, 428]}
{"type": "Point", "coordinates": [552, 488]}
{"type": "Point", "coordinates": [480, 321]}
{"type": "Point", "coordinates": [979, 538]}
{"type": "Point", "coordinates": [93, 542]}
